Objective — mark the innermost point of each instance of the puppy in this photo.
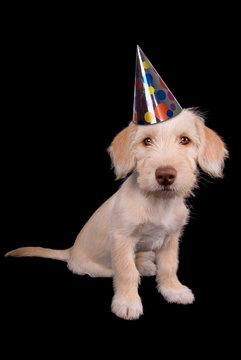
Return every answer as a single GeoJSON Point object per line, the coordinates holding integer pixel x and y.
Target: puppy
{"type": "Point", "coordinates": [136, 231]}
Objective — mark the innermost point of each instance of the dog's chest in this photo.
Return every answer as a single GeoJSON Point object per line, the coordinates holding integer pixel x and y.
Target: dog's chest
{"type": "Point", "coordinates": [152, 234]}
{"type": "Point", "coordinates": [151, 237]}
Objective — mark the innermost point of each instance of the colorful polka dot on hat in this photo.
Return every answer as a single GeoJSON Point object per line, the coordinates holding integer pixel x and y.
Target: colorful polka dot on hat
{"type": "Point", "coordinates": [153, 101]}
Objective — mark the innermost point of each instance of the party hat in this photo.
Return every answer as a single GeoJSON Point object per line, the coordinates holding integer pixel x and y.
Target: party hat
{"type": "Point", "coordinates": [153, 101]}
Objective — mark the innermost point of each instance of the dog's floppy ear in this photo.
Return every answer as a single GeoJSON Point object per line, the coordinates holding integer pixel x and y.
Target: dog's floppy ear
{"type": "Point", "coordinates": [121, 151]}
{"type": "Point", "coordinates": [212, 150]}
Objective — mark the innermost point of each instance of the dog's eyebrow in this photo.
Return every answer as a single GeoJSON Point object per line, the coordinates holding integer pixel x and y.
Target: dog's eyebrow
{"type": "Point", "coordinates": [150, 133]}
{"type": "Point", "coordinates": [191, 133]}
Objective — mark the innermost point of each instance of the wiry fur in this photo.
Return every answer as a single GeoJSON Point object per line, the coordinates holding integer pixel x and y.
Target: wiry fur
{"type": "Point", "coordinates": [136, 231]}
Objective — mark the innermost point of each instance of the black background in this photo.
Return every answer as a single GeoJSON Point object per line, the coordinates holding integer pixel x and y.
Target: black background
{"type": "Point", "coordinates": [68, 89]}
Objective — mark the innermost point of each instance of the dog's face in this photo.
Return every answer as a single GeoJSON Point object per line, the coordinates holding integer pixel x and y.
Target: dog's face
{"type": "Point", "coordinates": [165, 156]}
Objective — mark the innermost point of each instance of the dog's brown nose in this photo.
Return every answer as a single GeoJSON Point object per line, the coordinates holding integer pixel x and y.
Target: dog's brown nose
{"type": "Point", "coordinates": [166, 175]}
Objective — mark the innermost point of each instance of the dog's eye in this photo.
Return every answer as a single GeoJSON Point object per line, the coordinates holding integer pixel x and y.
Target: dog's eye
{"type": "Point", "coordinates": [147, 141]}
{"type": "Point", "coordinates": [184, 140]}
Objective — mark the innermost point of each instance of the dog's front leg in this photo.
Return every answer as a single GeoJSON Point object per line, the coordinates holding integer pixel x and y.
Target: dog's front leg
{"type": "Point", "coordinates": [167, 263]}
{"type": "Point", "coordinates": [126, 302]}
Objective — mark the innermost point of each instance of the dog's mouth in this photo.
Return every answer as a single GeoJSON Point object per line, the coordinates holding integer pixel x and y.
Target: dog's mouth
{"type": "Point", "coordinates": [166, 188]}
{"type": "Point", "coordinates": [166, 191]}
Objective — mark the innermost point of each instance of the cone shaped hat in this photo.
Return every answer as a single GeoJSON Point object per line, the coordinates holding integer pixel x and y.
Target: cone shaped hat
{"type": "Point", "coordinates": [153, 101]}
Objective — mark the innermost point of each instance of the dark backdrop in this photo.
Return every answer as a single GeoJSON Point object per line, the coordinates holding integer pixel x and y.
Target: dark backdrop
{"type": "Point", "coordinates": [68, 90]}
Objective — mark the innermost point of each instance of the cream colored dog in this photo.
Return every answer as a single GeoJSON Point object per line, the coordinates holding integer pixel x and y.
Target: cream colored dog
{"type": "Point", "coordinates": [136, 231]}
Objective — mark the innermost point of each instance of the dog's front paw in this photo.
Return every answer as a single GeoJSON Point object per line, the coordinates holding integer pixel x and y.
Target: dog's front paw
{"type": "Point", "coordinates": [179, 295]}
{"type": "Point", "coordinates": [126, 309]}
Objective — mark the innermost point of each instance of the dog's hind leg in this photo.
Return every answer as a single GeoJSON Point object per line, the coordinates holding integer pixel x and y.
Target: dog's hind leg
{"type": "Point", "coordinates": [145, 263]}
{"type": "Point", "coordinates": [82, 265]}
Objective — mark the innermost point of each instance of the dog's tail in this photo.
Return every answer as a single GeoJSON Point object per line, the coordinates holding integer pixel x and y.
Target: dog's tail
{"type": "Point", "coordinates": [41, 252]}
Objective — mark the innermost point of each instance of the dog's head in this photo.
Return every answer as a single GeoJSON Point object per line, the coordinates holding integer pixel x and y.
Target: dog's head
{"type": "Point", "coordinates": [164, 156]}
